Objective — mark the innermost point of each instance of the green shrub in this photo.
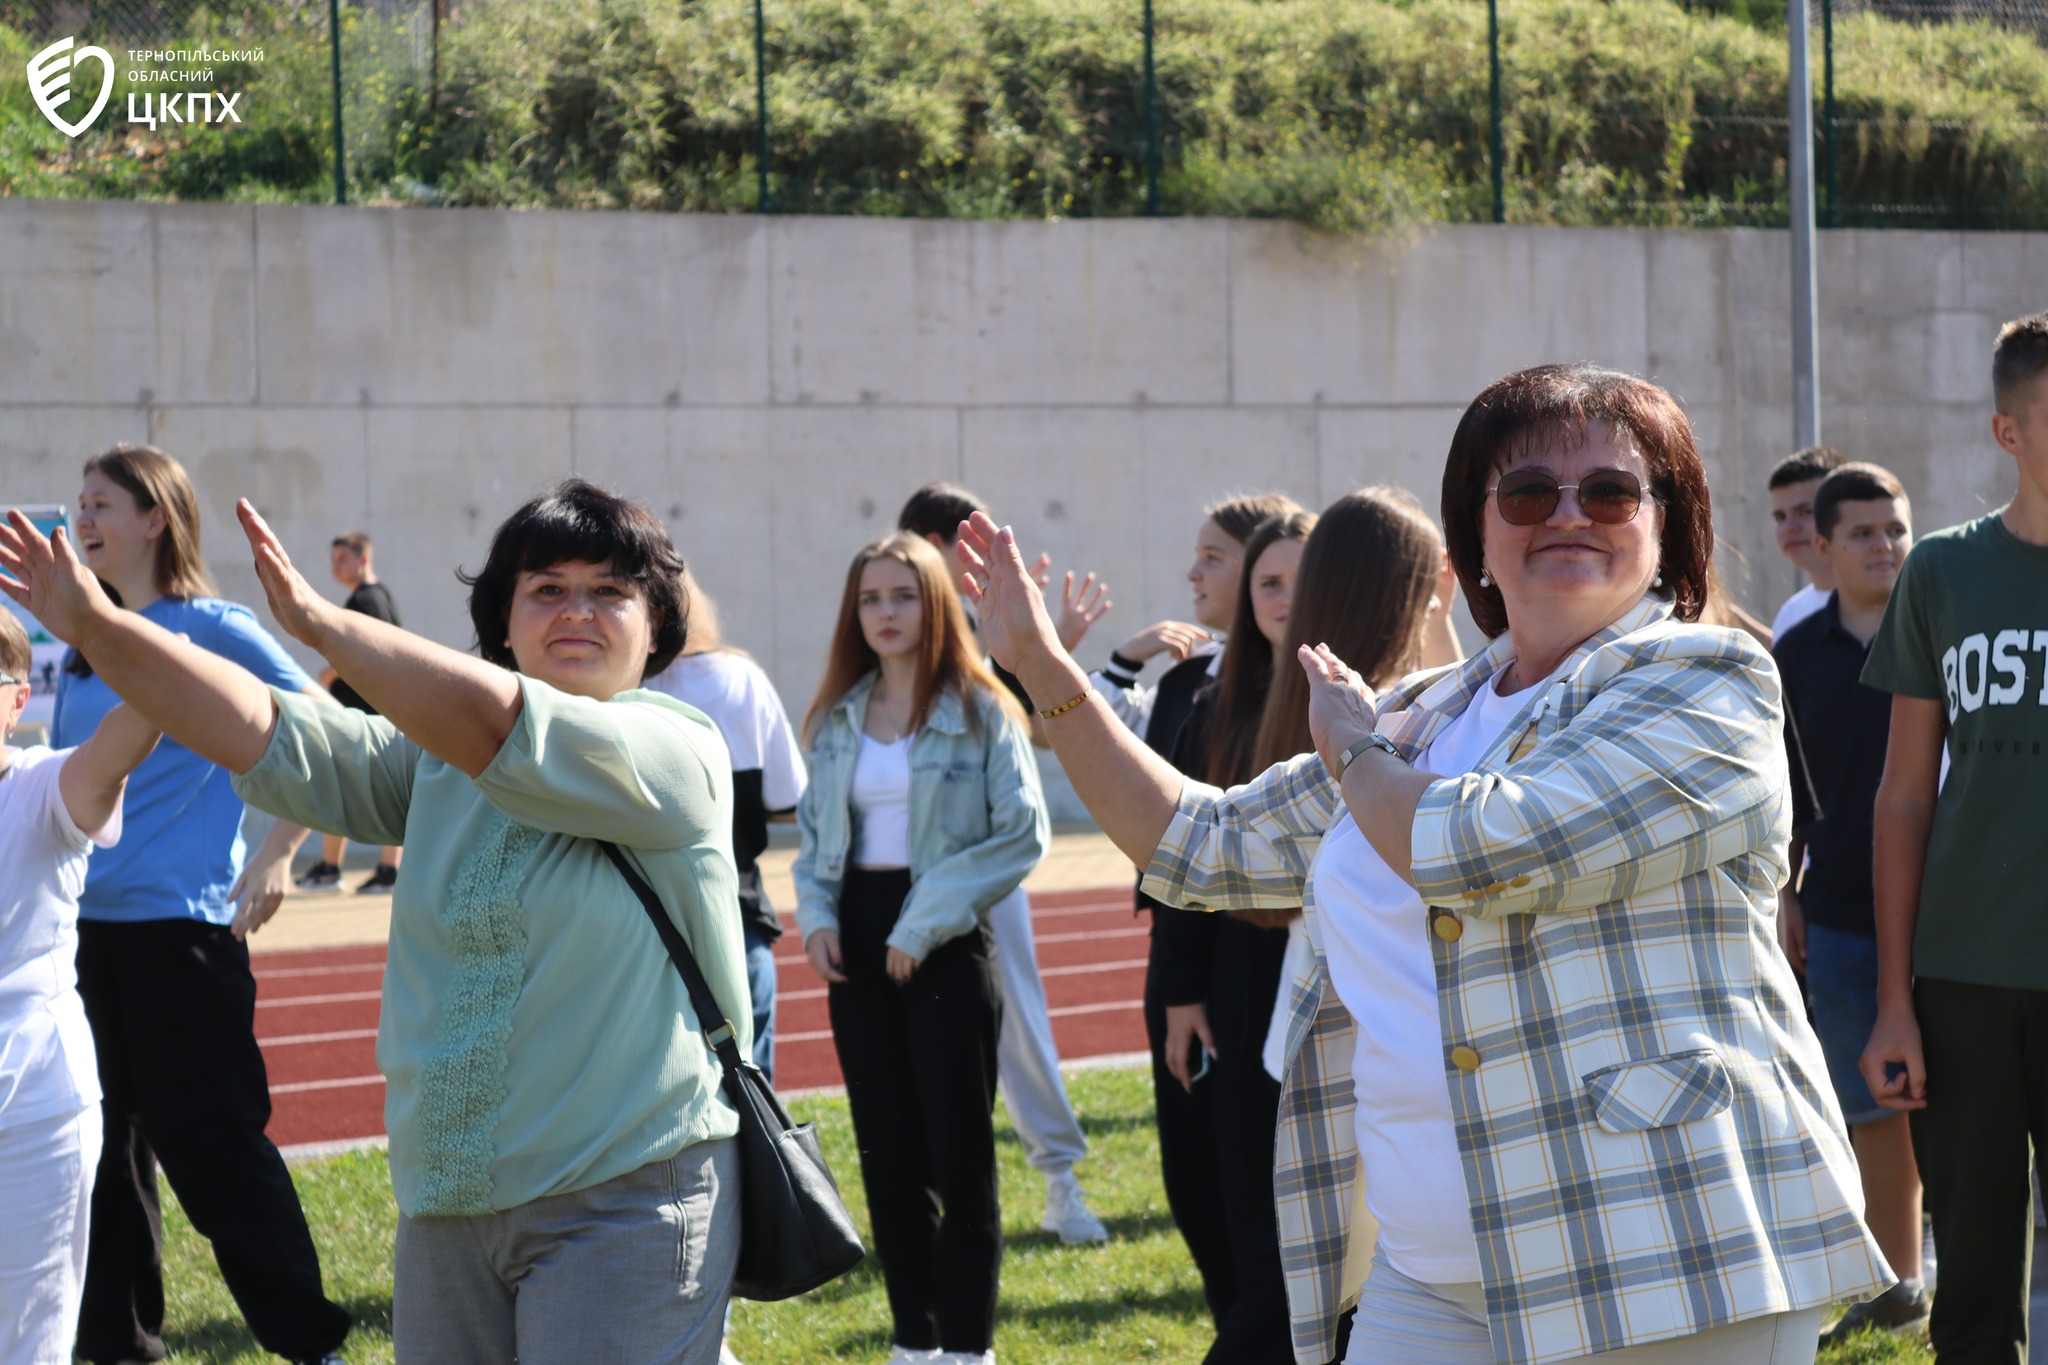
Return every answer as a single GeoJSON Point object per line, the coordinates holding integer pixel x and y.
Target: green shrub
{"type": "Point", "coordinates": [1344, 114]}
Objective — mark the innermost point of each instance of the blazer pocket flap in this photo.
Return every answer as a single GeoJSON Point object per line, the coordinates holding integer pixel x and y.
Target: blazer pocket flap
{"type": "Point", "coordinates": [1655, 1092]}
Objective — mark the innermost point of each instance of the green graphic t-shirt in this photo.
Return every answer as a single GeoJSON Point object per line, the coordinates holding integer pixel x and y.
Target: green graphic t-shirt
{"type": "Point", "coordinates": [1968, 627]}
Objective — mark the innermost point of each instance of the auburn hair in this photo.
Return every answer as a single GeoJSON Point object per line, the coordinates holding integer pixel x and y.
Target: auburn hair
{"type": "Point", "coordinates": [1247, 669]}
{"type": "Point", "coordinates": [1551, 407]}
{"type": "Point", "coordinates": [947, 652]}
{"type": "Point", "coordinates": [1364, 589]}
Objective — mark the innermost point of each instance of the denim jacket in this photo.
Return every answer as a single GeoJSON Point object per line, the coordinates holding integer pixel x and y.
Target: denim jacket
{"type": "Point", "coordinates": [977, 818]}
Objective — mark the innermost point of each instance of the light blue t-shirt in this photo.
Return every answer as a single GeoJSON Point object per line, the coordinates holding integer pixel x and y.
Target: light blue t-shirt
{"type": "Point", "coordinates": [182, 849]}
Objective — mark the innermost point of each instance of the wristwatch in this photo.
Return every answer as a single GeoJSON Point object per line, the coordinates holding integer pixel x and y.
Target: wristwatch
{"type": "Point", "coordinates": [1375, 740]}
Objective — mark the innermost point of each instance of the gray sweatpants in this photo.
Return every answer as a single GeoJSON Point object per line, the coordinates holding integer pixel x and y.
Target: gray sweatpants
{"type": "Point", "coordinates": [638, 1268]}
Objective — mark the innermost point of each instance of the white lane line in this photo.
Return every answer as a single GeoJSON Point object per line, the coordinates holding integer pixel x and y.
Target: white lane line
{"type": "Point", "coordinates": [1102, 1007]}
{"type": "Point", "coordinates": [1090, 935]}
{"type": "Point", "coordinates": [344, 1083]}
{"type": "Point", "coordinates": [347, 1035]}
{"type": "Point", "coordinates": [342, 998]}
{"type": "Point", "coordinates": [315, 1151]}
{"type": "Point", "coordinates": [278, 972]}
{"type": "Point", "coordinates": [1138, 930]}
{"type": "Point", "coordinates": [1084, 969]}
{"type": "Point", "coordinates": [1062, 1012]}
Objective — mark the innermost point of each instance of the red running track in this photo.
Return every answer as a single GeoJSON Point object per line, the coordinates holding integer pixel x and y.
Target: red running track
{"type": "Point", "coordinates": [316, 1014]}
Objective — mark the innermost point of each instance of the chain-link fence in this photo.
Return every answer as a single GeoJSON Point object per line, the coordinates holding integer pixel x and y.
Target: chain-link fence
{"type": "Point", "coordinates": [1341, 113]}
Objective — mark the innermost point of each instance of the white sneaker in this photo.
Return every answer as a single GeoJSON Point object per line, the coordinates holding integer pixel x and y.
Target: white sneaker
{"type": "Point", "coordinates": [912, 1355]}
{"type": "Point", "coordinates": [965, 1357]}
{"type": "Point", "coordinates": [1067, 1214]}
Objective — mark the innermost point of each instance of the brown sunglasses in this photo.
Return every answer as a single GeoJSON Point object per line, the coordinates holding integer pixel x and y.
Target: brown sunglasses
{"type": "Point", "coordinates": [1528, 497]}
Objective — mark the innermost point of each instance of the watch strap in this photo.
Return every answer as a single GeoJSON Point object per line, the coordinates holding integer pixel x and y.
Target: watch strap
{"type": "Point", "coordinates": [1375, 740]}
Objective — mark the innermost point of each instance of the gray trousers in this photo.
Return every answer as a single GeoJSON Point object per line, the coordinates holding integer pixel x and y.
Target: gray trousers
{"type": "Point", "coordinates": [1401, 1321]}
{"type": "Point", "coordinates": [636, 1269]}
{"type": "Point", "coordinates": [1027, 1062]}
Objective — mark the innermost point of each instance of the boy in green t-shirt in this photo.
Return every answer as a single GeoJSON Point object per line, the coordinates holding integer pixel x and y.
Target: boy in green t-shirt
{"type": "Point", "coordinates": [1961, 877]}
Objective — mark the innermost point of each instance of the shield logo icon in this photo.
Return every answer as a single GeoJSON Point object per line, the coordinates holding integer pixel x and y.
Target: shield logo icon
{"type": "Point", "coordinates": [49, 80]}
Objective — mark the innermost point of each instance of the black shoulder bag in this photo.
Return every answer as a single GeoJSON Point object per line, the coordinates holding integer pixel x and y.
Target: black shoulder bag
{"type": "Point", "coordinates": [795, 1233]}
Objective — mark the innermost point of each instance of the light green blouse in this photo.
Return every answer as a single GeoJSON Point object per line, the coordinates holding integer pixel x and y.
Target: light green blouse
{"type": "Point", "coordinates": [535, 1038]}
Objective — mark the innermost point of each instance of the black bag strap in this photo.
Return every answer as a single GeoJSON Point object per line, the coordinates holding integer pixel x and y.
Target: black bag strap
{"type": "Point", "coordinates": [719, 1034]}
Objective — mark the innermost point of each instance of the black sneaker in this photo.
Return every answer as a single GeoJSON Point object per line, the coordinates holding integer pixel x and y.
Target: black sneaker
{"type": "Point", "coordinates": [1898, 1309]}
{"type": "Point", "coordinates": [319, 876]}
{"type": "Point", "coordinates": [379, 882]}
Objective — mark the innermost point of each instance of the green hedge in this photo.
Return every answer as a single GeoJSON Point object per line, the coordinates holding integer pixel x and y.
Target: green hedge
{"type": "Point", "coordinates": [1339, 113]}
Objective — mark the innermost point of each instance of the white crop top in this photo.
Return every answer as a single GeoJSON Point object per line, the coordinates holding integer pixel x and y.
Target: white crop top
{"type": "Point", "coordinates": [881, 803]}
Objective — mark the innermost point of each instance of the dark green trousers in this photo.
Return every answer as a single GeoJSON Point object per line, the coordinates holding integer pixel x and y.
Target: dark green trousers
{"type": "Point", "coordinates": [1986, 1119]}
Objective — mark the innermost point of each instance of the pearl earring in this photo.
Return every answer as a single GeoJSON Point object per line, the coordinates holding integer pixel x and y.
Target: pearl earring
{"type": "Point", "coordinates": [1658, 581]}
{"type": "Point", "coordinates": [1485, 579]}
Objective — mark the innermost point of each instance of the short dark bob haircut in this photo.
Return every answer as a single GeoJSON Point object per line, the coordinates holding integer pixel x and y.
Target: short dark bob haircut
{"type": "Point", "coordinates": [576, 522]}
{"type": "Point", "coordinates": [1549, 408]}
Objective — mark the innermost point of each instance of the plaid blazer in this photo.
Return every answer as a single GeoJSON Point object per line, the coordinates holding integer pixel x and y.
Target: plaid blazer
{"type": "Point", "coordinates": [1650, 1142]}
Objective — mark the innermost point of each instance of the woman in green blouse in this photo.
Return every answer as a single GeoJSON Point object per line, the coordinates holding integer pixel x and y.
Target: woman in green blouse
{"type": "Point", "coordinates": [560, 1147]}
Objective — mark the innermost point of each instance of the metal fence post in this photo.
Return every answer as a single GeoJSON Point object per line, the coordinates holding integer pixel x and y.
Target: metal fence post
{"type": "Point", "coordinates": [1151, 122]}
{"type": "Point", "coordinates": [1500, 207]}
{"type": "Point", "coordinates": [334, 51]}
{"type": "Point", "coordinates": [1827, 111]}
{"type": "Point", "coordinates": [764, 201]}
{"type": "Point", "coordinates": [1805, 291]}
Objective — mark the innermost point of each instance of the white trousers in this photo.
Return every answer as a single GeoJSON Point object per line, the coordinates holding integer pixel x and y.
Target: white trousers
{"type": "Point", "coordinates": [1027, 1062]}
{"type": "Point", "coordinates": [46, 1173]}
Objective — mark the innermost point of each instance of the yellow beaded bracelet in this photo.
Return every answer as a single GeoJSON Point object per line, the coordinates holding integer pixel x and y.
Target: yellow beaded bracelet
{"type": "Point", "coordinates": [1067, 706]}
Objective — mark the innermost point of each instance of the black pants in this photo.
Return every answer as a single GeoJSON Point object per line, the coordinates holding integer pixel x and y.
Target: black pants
{"type": "Point", "coordinates": [1254, 1329]}
{"type": "Point", "coordinates": [1187, 1154]}
{"type": "Point", "coordinates": [1987, 1101]}
{"type": "Point", "coordinates": [920, 1067]}
{"type": "Point", "coordinates": [173, 1010]}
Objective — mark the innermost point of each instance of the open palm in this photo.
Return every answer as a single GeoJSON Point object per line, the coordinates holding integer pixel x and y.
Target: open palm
{"type": "Point", "coordinates": [47, 578]}
{"type": "Point", "coordinates": [1015, 625]}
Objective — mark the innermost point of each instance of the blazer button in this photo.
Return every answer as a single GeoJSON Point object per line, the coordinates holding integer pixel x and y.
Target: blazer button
{"type": "Point", "coordinates": [1464, 1058]}
{"type": "Point", "coordinates": [1521, 881]}
{"type": "Point", "coordinates": [1496, 888]}
{"type": "Point", "coordinates": [1447, 927]}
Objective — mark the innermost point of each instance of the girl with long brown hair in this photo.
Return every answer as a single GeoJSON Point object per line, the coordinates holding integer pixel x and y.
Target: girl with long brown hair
{"type": "Point", "coordinates": [162, 965]}
{"type": "Point", "coordinates": [1368, 574]}
{"type": "Point", "coordinates": [923, 810]}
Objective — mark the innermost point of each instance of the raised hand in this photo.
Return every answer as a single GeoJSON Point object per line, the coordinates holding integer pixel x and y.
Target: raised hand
{"type": "Point", "coordinates": [1015, 624]}
{"type": "Point", "coordinates": [48, 579]}
{"type": "Point", "coordinates": [301, 612]}
{"type": "Point", "coordinates": [1341, 708]}
{"type": "Point", "coordinates": [1081, 608]}
{"type": "Point", "coordinates": [1177, 638]}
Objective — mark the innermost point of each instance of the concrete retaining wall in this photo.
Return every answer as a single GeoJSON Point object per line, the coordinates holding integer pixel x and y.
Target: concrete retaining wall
{"type": "Point", "coordinates": [774, 387]}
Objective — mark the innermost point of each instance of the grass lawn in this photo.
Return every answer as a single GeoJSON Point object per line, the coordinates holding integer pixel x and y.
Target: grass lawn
{"type": "Point", "coordinates": [1136, 1299]}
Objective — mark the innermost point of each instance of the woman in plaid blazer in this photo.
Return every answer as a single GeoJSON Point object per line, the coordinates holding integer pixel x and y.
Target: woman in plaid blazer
{"type": "Point", "coordinates": [1567, 851]}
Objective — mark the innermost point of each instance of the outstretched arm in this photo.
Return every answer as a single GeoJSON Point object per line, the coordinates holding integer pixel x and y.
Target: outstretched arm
{"type": "Point", "coordinates": [96, 772]}
{"type": "Point", "coordinates": [455, 706]}
{"type": "Point", "coordinates": [458, 708]}
{"type": "Point", "coordinates": [1131, 791]}
{"type": "Point", "coordinates": [213, 707]}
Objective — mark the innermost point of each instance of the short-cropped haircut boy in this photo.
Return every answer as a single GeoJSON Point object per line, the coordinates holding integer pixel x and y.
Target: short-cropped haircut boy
{"type": "Point", "coordinates": [2020, 358]}
{"type": "Point", "coordinates": [1853, 483]}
